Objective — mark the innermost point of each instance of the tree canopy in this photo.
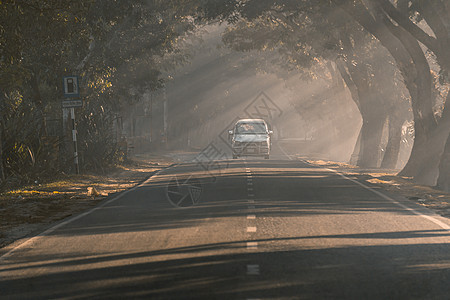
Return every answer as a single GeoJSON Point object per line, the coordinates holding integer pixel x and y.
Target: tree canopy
{"type": "Point", "coordinates": [120, 49]}
{"type": "Point", "coordinates": [116, 47]}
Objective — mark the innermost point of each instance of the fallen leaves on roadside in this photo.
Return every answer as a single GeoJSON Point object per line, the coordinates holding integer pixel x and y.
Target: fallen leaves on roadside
{"type": "Point", "coordinates": [24, 210]}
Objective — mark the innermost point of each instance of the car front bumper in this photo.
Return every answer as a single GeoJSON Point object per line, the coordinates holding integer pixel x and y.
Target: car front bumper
{"type": "Point", "coordinates": [250, 149]}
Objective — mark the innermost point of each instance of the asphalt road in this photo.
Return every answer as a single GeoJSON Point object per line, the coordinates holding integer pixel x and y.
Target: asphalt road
{"type": "Point", "coordinates": [260, 229]}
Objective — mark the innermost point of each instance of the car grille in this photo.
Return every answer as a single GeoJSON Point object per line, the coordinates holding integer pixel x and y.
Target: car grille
{"type": "Point", "coordinates": [254, 148]}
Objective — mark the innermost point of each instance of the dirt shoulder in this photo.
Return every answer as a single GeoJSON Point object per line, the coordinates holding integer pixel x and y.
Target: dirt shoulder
{"type": "Point", "coordinates": [31, 209]}
{"type": "Point", "coordinates": [427, 196]}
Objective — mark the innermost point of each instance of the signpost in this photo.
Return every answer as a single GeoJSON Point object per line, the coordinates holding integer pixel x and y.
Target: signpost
{"type": "Point", "coordinates": [71, 87]}
{"type": "Point", "coordinates": [74, 139]}
{"type": "Point", "coordinates": [71, 95]}
{"type": "Point", "coordinates": [71, 103]}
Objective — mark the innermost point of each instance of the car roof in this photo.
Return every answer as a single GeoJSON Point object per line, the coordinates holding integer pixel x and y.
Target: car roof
{"type": "Point", "coordinates": [250, 121]}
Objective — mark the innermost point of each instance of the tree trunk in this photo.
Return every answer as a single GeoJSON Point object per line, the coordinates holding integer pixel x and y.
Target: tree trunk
{"type": "Point", "coordinates": [428, 152]}
{"type": "Point", "coordinates": [356, 150]}
{"type": "Point", "coordinates": [370, 105]}
{"type": "Point", "coordinates": [424, 122]}
{"type": "Point", "coordinates": [372, 112]}
{"type": "Point", "coordinates": [443, 181]}
{"type": "Point", "coordinates": [431, 152]}
{"type": "Point", "coordinates": [427, 156]}
{"type": "Point", "coordinates": [415, 70]}
{"type": "Point", "coordinates": [390, 158]}
{"type": "Point", "coordinates": [340, 66]}
{"type": "Point", "coordinates": [371, 134]}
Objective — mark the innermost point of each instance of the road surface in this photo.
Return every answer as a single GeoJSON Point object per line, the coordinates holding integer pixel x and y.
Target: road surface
{"type": "Point", "coordinates": [260, 229]}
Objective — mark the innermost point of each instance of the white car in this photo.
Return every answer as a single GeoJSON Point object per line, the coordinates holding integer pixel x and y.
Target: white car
{"type": "Point", "coordinates": [250, 137]}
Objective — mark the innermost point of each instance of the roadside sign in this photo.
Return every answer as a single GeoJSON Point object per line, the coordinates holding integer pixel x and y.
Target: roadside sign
{"type": "Point", "coordinates": [69, 103]}
{"type": "Point", "coordinates": [71, 87]}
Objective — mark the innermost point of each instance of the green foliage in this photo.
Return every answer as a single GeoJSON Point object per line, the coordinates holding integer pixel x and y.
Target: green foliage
{"type": "Point", "coordinates": [25, 155]}
{"type": "Point", "coordinates": [298, 33]}
{"type": "Point", "coordinates": [116, 47]}
{"type": "Point", "coordinates": [98, 144]}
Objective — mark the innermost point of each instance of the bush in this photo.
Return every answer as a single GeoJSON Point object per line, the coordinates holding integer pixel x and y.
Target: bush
{"type": "Point", "coordinates": [26, 155]}
{"type": "Point", "coordinates": [98, 143]}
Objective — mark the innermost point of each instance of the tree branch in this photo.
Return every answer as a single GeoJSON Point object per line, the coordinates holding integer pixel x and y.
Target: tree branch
{"type": "Point", "coordinates": [408, 25]}
{"type": "Point", "coordinates": [348, 81]}
{"type": "Point", "coordinates": [431, 16]}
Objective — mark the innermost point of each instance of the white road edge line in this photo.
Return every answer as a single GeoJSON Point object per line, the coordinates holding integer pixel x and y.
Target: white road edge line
{"type": "Point", "coordinates": [252, 245]}
{"type": "Point", "coordinates": [428, 217]}
{"type": "Point", "coordinates": [35, 238]}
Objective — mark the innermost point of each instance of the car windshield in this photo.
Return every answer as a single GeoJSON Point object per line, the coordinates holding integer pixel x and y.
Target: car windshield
{"type": "Point", "coordinates": [250, 128]}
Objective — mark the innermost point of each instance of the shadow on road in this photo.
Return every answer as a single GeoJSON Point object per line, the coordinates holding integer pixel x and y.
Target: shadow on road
{"type": "Point", "coordinates": [338, 273]}
{"type": "Point", "coordinates": [282, 189]}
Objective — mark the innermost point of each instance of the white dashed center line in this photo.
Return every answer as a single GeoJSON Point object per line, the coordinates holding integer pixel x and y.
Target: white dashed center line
{"type": "Point", "coordinates": [251, 229]}
{"type": "Point", "coordinates": [252, 269]}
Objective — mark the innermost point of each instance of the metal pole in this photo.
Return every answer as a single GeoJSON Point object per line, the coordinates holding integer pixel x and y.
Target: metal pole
{"type": "Point", "coordinates": [151, 118]}
{"type": "Point", "coordinates": [74, 139]}
{"type": "Point", "coordinates": [165, 114]}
